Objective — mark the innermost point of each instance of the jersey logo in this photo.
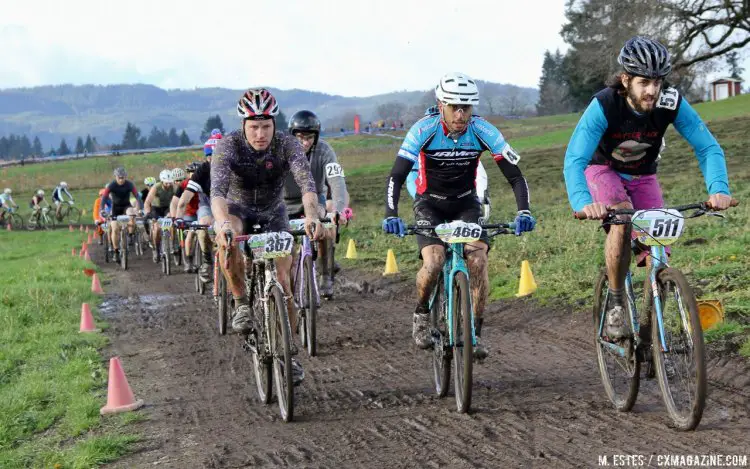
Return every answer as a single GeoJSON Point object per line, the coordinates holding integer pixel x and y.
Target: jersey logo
{"type": "Point", "coordinates": [334, 170]}
{"type": "Point", "coordinates": [510, 154]}
{"type": "Point", "coordinates": [668, 99]}
{"type": "Point", "coordinates": [630, 150]}
{"type": "Point", "coordinates": [455, 153]}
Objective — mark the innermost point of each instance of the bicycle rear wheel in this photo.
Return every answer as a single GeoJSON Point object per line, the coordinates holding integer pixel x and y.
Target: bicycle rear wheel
{"type": "Point", "coordinates": [15, 220]}
{"type": "Point", "coordinates": [620, 374]}
{"type": "Point", "coordinates": [74, 215]}
{"type": "Point", "coordinates": [280, 335]}
{"type": "Point", "coordinates": [463, 349]}
{"type": "Point", "coordinates": [311, 308]}
{"type": "Point", "coordinates": [680, 359]}
{"type": "Point", "coordinates": [441, 357]}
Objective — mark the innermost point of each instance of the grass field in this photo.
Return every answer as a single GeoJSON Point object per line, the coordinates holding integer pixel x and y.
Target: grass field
{"type": "Point", "coordinates": [52, 379]}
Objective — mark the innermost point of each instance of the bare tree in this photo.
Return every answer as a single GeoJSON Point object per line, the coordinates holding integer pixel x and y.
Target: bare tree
{"type": "Point", "coordinates": [706, 29]}
{"type": "Point", "coordinates": [392, 110]}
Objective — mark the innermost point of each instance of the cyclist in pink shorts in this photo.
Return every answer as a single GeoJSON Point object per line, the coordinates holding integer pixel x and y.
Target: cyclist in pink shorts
{"type": "Point", "coordinates": [613, 155]}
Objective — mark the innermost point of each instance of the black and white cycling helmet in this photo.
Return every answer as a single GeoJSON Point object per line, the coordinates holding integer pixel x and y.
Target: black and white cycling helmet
{"type": "Point", "coordinates": [457, 88]}
{"type": "Point", "coordinates": [644, 57]}
{"type": "Point", "coordinates": [64, 184]}
{"type": "Point", "coordinates": [7, 190]}
{"type": "Point", "coordinates": [120, 172]}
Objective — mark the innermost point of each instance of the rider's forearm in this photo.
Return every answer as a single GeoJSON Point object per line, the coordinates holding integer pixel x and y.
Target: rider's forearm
{"type": "Point", "coordinates": [182, 204]}
{"type": "Point", "coordinates": [220, 210]}
{"type": "Point", "coordinates": [520, 188]}
{"type": "Point", "coordinates": [399, 172]}
{"type": "Point", "coordinates": [173, 207]}
{"type": "Point", "coordinates": [310, 204]}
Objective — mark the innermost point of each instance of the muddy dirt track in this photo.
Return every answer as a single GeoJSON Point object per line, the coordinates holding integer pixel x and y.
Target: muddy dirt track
{"type": "Point", "coordinates": [367, 399]}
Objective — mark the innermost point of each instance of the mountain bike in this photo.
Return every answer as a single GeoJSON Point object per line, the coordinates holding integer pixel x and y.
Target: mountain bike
{"type": "Point", "coordinates": [451, 311]}
{"type": "Point", "coordinates": [165, 225]}
{"type": "Point", "coordinates": [305, 281]}
{"type": "Point", "coordinates": [70, 211]}
{"type": "Point", "coordinates": [123, 221]}
{"type": "Point", "coordinates": [106, 243]}
{"type": "Point", "coordinates": [271, 344]}
{"type": "Point", "coordinates": [40, 219]}
{"type": "Point", "coordinates": [675, 347]}
{"type": "Point", "coordinates": [13, 219]}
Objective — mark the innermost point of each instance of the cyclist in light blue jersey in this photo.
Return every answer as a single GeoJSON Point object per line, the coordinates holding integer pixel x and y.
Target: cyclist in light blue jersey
{"type": "Point", "coordinates": [613, 154]}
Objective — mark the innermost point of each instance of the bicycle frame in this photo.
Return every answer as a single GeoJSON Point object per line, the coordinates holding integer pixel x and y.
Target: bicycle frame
{"type": "Point", "coordinates": [453, 264]}
{"type": "Point", "coordinates": [306, 250]}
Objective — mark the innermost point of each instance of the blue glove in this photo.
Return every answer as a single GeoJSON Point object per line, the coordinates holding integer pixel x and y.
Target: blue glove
{"type": "Point", "coordinates": [524, 222]}
{"type": "Point", "coordinates": [394, 225]}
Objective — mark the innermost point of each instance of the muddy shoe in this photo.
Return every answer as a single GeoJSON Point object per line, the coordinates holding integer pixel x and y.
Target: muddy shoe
{"type": "Point", "coordinates": [188, 265]}
{"type": "Point", "coordinates": [298, 373]}
{"type": "Point", "coordinates": [326, 287]}
{"type": "Point", "coordinates": [205, 273]}
{"type": "Point", "coordinates": [480, 350]}
{"type": "Point", "coordinates": [117, 256]}
{"type": "Point", "coordinates": [242, 321]}
{"type": "Point", "coordinates": [616, 327]}
{"type": "Point", "coordinates": [421, 330]}
{"type": "Point", "coordinates": [155, 256]}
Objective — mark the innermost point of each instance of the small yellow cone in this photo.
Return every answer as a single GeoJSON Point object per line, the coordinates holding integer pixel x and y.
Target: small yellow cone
{"type": "Point", "coordinates": [390, 263]}
{"type": "Point", "coordinates": [527, 285]}
{"type": "Point", "coordinates": [351, 250]}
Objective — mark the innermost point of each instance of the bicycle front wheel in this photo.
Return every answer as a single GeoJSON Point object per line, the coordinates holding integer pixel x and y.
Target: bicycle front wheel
{"type": "Point", "coordinates": [15, 220]}
{"type": "Point", "coordinates": [311, 308]}
{"type": "Point", "coordinates": [680, 358]}
{"type": "Point", "coordinates": [441, 357]}
{"type": "Point", "coordinates": [618, 365]}
{"type": "Point", "coordinates": [281, 341]}
{"type": "Point", "coordinates": [166, 253]}
{"type": "Point", "coordinates": [124, 247]}
{"type": "Point", "coordinates": [223, 300]}
{"type": "Point", "coordinates": [463, 349]}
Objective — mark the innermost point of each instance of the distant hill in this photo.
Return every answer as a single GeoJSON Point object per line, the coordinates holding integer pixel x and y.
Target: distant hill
{"type": "Point", "coordinates": [54, 112]}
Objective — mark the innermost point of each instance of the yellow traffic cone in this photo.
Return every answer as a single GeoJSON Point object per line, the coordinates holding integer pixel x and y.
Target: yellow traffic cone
{"type": "Point", "coordinates": [527, 285]}
{"type": "Point", "coordinates": [351, 250]}
{"type": "Point", "coordinates": [390, 264]}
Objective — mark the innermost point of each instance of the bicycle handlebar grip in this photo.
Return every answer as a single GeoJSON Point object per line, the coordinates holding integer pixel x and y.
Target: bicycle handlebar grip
{"type": "Point", "coordinates": [580, 216]}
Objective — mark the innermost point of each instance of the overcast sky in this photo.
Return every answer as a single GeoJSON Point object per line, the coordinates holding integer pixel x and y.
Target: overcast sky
{"type": "Point", "coordinates": [351, 48]}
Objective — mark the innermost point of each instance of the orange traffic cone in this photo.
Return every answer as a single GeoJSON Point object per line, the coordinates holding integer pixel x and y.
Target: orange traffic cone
{"type": "Point", "coordinates": [70, 228]}
{"type": "Point", "coordinates": [8, 227]}
{"type": "Point", "coordinates": [87, 230]}
{"type": "Point", "coordinates": [87, 319]}
{"type": "Point", "coordinates": [96, 287]}
{"type": "Point", "coordinates": [80, 228]}
{"type": "Point", "coordinates": [119, 395]}
{"type": "Point", "coordinates": [86, 257]}
{"type": "Point", "coordinates": [83, 247]}
{"type": "Point", "coordinates": [73, 252]}
{"type": "Point", "coordinates": [88, 240]}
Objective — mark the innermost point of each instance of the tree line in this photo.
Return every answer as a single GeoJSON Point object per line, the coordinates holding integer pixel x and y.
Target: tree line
{"type": "Point", "coordinates": [19, 147]}
{"type": "Point", "coordinates": [699, 34]}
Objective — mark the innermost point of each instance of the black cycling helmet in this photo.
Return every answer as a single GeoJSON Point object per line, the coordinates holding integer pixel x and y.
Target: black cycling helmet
{"type": "Point", "coordinates": [305, 121]}
{"type": "Point", "coordinates": [644, 57]}
{"type": "Point", "coordinates": [192, 167]}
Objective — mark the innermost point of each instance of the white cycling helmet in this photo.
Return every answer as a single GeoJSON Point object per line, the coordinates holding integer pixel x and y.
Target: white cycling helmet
{"type": "Point", "coordinates": [40, 192]}
{"type": "Point", "coordinates": [7, 190]}
{"type": "Point", "coordinates": [179, 174]}
{"type": "Point", "coordinates": [457, 88]}
{"type": "Point", "coordinates": [166, 176]}
{"type": "Point", "coordinates": [64, 185]}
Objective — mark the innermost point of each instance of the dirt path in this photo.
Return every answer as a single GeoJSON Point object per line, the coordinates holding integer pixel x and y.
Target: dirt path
{"type": "Point", "coordinates": [367, 399]}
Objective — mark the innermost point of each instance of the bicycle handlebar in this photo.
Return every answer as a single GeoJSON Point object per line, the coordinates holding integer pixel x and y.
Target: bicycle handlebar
{"type": "Point", "coordinates": [501, 228]}
{"type": "Point", "coordinates": [680, 208]}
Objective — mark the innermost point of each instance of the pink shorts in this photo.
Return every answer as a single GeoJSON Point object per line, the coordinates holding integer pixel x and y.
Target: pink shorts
{"type": "Point", "coordinates": [610, 188]}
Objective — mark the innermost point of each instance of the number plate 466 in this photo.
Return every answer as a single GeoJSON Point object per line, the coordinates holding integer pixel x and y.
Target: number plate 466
{"type": "Point", "coordinates": [458, 232]}
{"type": "Point", "coordinates": [658, 227]}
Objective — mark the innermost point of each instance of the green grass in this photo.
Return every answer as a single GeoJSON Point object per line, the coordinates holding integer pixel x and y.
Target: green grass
{"type": "Point", "coordinates": [52, 379]}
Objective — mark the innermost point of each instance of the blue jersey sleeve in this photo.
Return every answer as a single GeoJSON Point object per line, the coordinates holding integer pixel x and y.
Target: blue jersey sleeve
{"type": "Point", "coordinates": [411, 183]}
{"type": "Point", "coordinates": [581, 148]}
{"type": "Point", "coordinates": [491, 138]}
{"type": "Point", "coordinates": [707, 150]}
{"type": "Point", "coordinates": [415, 138]}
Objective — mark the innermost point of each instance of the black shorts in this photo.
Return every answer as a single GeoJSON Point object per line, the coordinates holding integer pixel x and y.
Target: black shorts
{"type": "Point", "coordinates": [118, 210]}
{"type": "Point", "coordinates": [158, 212]}
{"type": "Point", "coordinates": [273, 219]}
{"type": "Point", "coordinates": [434, 212]}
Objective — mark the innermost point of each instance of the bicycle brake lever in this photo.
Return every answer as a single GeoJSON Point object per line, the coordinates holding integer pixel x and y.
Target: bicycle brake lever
{"type": "Point", "coordinates": [716, 214]}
